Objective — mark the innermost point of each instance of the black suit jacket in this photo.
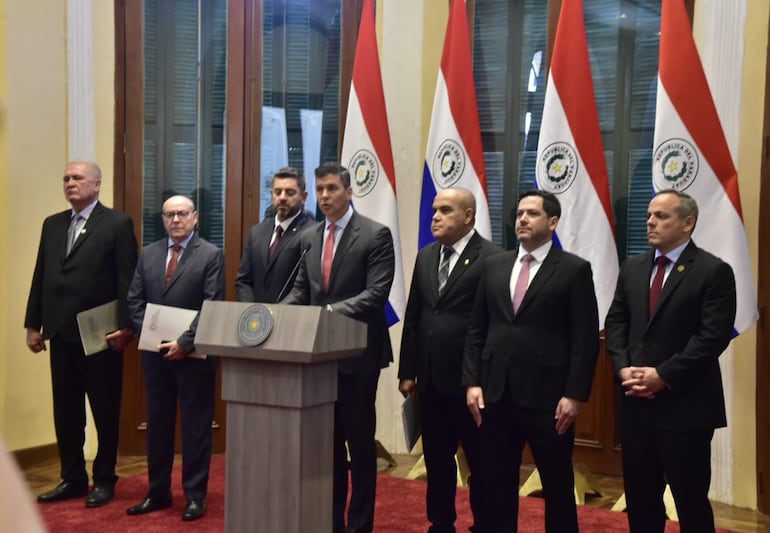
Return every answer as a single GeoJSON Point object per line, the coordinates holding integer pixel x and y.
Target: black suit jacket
{"type": "Point", "coordinates": [359, 285]}
{"type": "Point", "coordinates": [434, 325]}
{"type": "Point", "coordinates": [260, 277]}
{"type": "Point", "coordinates": [549, 348]}
{"type": "Point", "coordinates": [688, 331]}
{"type": "Point", "coordinates": [97, 270]}
{"type": "Point", "coordinates": [199, 276]}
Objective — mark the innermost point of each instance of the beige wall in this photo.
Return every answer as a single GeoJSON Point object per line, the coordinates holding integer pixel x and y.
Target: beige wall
{"type": "Point", "coordinates": [749, 162]}
{"type": "Point", "coordinates": [34, 148]}
{"type": "Point", "coordinates": [33, 153]}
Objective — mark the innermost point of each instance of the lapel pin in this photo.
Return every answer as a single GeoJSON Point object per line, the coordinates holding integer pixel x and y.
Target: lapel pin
{"type": "Point", "coordinates": [680, 268]}
{"type": "Point", "coordinates": [467, 262]}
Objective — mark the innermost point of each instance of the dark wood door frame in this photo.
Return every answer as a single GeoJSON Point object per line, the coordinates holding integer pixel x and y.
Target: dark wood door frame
{"type": "Point", "coordinates": [244, 119]}
{"type": "Point", "coordinates": [241, 167]}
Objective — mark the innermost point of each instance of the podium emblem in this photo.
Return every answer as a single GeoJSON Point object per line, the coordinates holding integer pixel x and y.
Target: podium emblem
{"type": "Point", "coordinates": [255, 325]}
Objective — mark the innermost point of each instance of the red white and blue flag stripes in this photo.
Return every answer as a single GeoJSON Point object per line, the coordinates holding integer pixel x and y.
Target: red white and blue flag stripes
{"type": "Point", "coordinates": [367, 152]}
{"type": "Point", "coordinates": [454, 156]}
{"type": "Point", "coordinates": [691, 154]}
{"type": "Point", "coordinates": [570, 157]}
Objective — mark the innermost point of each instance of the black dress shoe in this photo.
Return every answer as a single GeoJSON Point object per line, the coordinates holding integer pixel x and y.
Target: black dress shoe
{"type": "Point", "coordinates": [150, 504]}
{"type": "Point", "coordinates": [64, 491]}
{"type": "Point", "coordinates": [100, 495]}
{"type": "Point", "coordinates": [195, 509]}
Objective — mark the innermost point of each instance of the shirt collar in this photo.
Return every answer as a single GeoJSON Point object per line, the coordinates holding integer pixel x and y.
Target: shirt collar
{"type": "Point", "coordinates": [342, 222]}
{"type": "Point", "coordinates": [287, 222]}
{"type": "Point", "coordinates": [86, 212]}
{"type": "Point", "coordinates": [538, 253]}
{"type": "Point", "coordinates": [459, 246]}
{"type": "Point", "coordinates": [184, 243]}
{"type": "Point", "coordinates": [674, 255]}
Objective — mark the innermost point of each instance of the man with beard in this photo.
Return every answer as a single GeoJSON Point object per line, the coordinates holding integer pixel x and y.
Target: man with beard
{"type": "Point", "coordinates": [530, 354]}
{"type": "Point", "coordinates": [272, 250]}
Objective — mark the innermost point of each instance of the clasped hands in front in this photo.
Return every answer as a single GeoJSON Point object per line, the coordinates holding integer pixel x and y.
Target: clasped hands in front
{"type": "Point", "coordinates": [641, 381]}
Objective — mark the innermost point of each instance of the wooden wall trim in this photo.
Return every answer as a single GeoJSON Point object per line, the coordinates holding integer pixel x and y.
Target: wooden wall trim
{"type": "Point", "coordinates": [242, 181]}
{"type": "Point", "coordinates": [351, 16]}
{"type": "Point", "coordinates": [38, 455]}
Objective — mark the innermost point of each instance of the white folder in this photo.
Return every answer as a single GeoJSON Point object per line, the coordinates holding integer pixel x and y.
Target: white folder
{"type": "Point", "coordinates": [163, 323]}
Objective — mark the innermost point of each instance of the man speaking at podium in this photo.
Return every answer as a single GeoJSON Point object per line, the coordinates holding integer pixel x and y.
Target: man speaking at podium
{"type": "Point", "coordinates": [350, 270]}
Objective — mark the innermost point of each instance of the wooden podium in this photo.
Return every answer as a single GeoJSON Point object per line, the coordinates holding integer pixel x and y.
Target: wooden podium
{"type": "Point", "coordinates": [280, 413]}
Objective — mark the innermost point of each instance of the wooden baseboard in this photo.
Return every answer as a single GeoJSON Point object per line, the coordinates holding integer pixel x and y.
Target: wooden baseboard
{"type": "Point", "coordinates": [31, 457]}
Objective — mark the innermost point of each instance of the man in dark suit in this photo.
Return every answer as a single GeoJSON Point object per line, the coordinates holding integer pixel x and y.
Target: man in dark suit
{"type": "Point", "coordinates": [181, 271]}
{"type": "Point", "coordinates": [350, 270]}
{"type": "Point", "coordinates": [530, 354]}
{"type": "Point", "coordinates": [86, 258]}
{"type": "Point", "coordinates": [272, 249]}
{"type": "Point", "coordinates": [670, 320]}
{"type": "Point", "coordinates": [444, 282]}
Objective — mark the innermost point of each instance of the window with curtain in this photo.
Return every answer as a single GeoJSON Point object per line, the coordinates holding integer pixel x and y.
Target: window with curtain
{"type": "Point", "coordinates": [300, 91]}
{"type": "Point", "coordinates": [185, 52]}
{"type": "Point", "coordinates": [510, 73]}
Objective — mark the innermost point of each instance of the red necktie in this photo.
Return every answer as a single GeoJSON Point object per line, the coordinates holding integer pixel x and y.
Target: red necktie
{"type": "Point", "coordinates": [657, 282]}
{"type": "Point", "coordinates": [172, 262]}
{"type": "Point", "coordinates": [328, 257]}
{"type": "Point", "coordinates": [522, 282]}
{"type": "Point", "coordinates": [276, 240]}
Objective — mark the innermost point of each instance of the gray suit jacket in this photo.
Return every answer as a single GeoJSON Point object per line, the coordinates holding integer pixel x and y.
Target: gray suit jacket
{"type": "Point", "coordinates": [360, 281]}
{"type": "Point", "coordinates": [199, 276]}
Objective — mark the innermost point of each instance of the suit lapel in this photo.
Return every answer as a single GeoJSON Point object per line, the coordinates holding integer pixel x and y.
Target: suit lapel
{"type": "Point", "coordinates": [263, 241]}
{"type": "Point", "coordinates": [290, 233]}
{"type": "Point", "coordinates": [58, 235]}
{"type": "Point", "coordinates": [433, 256]}
{"type": "Point", "coordinates": [469, 255]}
{"type": "Point", "coordinates": [502, 277]}
{"type": "Point", "coordinates": [184, 261]}
{"type": "Point", "coordinates": [546, 270]}
{"type": "Point", "coordinates": [675, 277]}
{"type": "Point", "coordinates": [313, 258]}
{"type": "Point", "coordinates": [86, 230]}
{"type": "Point", "coordinates": [348, 239]}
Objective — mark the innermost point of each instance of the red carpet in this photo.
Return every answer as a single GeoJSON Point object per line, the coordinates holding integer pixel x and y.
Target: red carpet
{"type": "Point", "coordinates": [400, 509]}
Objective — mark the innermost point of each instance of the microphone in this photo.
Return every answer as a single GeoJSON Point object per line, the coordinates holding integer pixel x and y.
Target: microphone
{"type": "Point", "coordinates": [293, 272]}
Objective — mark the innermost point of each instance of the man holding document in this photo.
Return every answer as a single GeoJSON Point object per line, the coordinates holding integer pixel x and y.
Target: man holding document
{"type": "Point", "coordinates": [86, 258]}
{"type": "Point", "coordinates": [444, 283]}
{"type": "Point", "coordinates": [180, 272]}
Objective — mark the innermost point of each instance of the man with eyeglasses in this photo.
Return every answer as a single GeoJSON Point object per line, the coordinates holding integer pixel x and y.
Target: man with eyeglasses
{"type": "Point", "coordinates": [86, 258]}
{"type": "Point", "coordinates": [181, 270]}
{"type": "Point", "coordinates": [272, 250]}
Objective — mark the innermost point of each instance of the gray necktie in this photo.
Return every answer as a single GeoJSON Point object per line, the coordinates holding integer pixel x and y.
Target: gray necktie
{"type": "Point", "coordinates": [443, 270]}
{"type": "Point", "coordinates": [76, 226]}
